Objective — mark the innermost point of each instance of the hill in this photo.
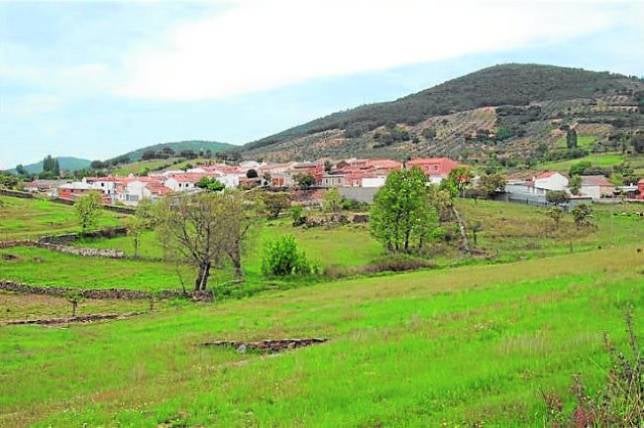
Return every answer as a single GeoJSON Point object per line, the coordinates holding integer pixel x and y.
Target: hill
{"type": "Point", "coordinates": [178, 146]}
{"type": "Point", "coordinates": [67, 163]}
{"type": "Point", "coordinates": [504, 110]}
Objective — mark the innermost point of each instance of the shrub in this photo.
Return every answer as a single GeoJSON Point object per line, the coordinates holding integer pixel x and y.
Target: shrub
{"type": "Point", "coordinates": [620, 402]}
{"type": "Point", "coordinates": [282, 258]}
{"type": "Point", "coordinates": [557, 197]}
{"type": "Point", "coordinates": [297, 214]}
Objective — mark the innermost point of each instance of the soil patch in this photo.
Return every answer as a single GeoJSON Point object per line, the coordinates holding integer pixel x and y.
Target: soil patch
{"type": "Point", "coordinates": [269, 346]}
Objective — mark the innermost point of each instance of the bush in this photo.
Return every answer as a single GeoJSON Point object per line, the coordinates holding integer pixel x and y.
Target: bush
{"type": "Point", "coordinates": [282, 258]}
{"type": "Point", "coordinates": [297, 214]}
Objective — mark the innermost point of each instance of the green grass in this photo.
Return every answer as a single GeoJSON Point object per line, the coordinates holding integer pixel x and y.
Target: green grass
{"type": "Point", "coordinates": [39, 266]}
{"type": "Point", "coordinates": [597, 159]}
{"type": "Point", "coordinates": [455, 347]}
{"type": "Point", "coordinates": [30, 218]}
{"type": "Point", "coordinates": [586, 142]}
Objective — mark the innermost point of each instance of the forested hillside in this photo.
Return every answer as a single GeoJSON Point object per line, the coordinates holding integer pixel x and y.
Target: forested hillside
{"type": "Point", "coordinates": [501, 111]}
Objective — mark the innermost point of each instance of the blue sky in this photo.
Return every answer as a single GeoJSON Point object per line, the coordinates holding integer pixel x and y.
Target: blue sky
{"type": "Point", "coordinates": [95, 80]}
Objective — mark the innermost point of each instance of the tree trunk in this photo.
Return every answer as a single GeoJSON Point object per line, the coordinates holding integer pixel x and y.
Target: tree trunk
{"type": "Point", "coordinates": [202, 277]}
{"type": "Point", "coordinates": [461, 228]}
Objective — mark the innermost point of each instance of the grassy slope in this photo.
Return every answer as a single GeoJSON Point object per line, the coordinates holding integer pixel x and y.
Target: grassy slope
{"type": "Point", "coordinates": [470, 344]}
{"type": "Point", "coordinates": [509, 232]}
{"type": "Point", "coordinates": [24, 218]}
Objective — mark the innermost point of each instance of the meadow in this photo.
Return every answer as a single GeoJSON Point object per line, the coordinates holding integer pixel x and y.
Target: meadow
{"type": "Point", "coordinates": [461, 346]}
{"type": "Point", "coordinates": [31, 218]}
{"type": "Point", "coordinates": [476, 340]}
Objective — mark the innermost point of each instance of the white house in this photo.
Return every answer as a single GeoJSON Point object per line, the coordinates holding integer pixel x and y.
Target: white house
{"type": "Point", "coordinates": [596, 186]}
{"type": "Point", "coordinates": [547, 181]}
{"type": "Point", "coordinates": [378, 181]}
{"type": "Point", "coordinates": [183, 182]}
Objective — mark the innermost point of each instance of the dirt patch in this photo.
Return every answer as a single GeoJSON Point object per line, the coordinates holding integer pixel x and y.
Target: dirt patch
{"type": "Point", "coordinates": [269, 346]}
{"type": "Point", "coordinates": [76, 319]}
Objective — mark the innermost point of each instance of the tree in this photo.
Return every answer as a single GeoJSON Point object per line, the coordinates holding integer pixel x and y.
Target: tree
{"type": "Point", "coordinates": [251, 173]}
{"type": "Point", "coordinates": [579, 168]}
{"type": "Point", "coordinates": [297, 215]}
{"type": "Point", "coordinates": [21, 170]}
{"type": "Point", "coordinates": [8, 181]}
{"type": "Point", "coordinates": [401, 217]}
{"type": "Point", "coordinates": [206, 230]}
{"type": "Point", "coordinates": [304, 180]}
{"type": "Point", "coordinates": [457, 180]}
{"type": "Point", "coordinates": [88, 210]}
{"type": "Point", "coordinates": [328, 165]}
{"type": "Point", "coordinates": [571, 139]}
{"type": "Point", "coordinates": [575, 184]}
{"type": "Point", "coordinates": [211, 184]}
{"type": "Point", "coordinates": [332, 201]}
{"type": "Point", "coordinates": [74, 297]}
{"type": "Point", "coordinates": [136, 224]}
{"type": "Point", "coordinates": [582, 215]}
{"type": "Point", "coordinates": [638, 138]}
{"type": "Point", "coordinates": [554, 214]}
{"type": "Point", "coordinates": [557, 197]}
{"type": "Point", "coordinates": [490, 184]}
{"type": "Point", "coordinates": [276, 202]}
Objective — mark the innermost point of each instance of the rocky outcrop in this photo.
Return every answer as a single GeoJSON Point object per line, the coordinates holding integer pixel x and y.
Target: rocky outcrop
{"type": "Point", "coordinates": [83, 251]}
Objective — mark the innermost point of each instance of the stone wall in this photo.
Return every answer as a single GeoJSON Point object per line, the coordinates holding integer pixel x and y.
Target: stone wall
{"type": "Point", "coordinates": [74, 236]}
{"type": "Point", "coordinates": [83, 251]}
{"type": "Point", "coordinates": [107, 293]}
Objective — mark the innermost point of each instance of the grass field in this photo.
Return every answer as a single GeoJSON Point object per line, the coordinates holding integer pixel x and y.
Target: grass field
{"type": "Point", "coordinates": [29, 218]}
{"type": "Point", "coordinates": [456, 347]}
{"type": "Point", "coordinates": [586, 142]}
{"type": "Point", "coordinates": [597, 159]}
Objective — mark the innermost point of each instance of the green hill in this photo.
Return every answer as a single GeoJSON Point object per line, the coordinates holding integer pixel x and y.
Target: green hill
{"type": "Point", "coordinates": [194, 145]}
{"type": "Point", "coordinates": [463, 116]}
{"type": "Point", "coordinates": [67, 163]}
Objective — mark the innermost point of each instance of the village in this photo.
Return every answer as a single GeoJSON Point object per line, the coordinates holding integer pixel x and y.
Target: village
{"type": "Point", "coordinates": [356, 179]}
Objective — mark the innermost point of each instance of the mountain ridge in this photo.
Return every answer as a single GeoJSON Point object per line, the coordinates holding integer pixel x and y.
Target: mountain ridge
{"type": "Point", "coordinates": [528, 97]}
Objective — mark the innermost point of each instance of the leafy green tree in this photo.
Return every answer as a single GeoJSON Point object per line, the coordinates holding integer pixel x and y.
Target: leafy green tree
{"type": "Point", "coordinates": [557, 197]}
{"type": "Point", "coordinates": [88, 210]}
{"type": "Point", "coordinates": [21, 170]}
{"type": "Point", "coordinates": [578, 168]}
{"type": "Point", "coordinates": [211, 184]}
{"type": "Point", "coordinates": [490, 184]}
{"type": "Point", "coordinates": [304, 180]}
{"type": "Point", "coordinates": [283, 258]}
{"type": "Point", "coordinates": [251, 173]}
{"type": "Point", "coordinates": [571, 139]}
{"type": "Point", "coordinates": [276, 202]}
{"type": "Point", "coordinates": [554, 214]}
{"type": "Point", "coordinates": [74, 297]}
{"type": "Point", "coordinates": [458, 180]}
{"type": "Point", "coordinates": [142, 220]}
{"type": "Point", "coordinates": [582, 214]}
{"type": "Point", "coordinates": [328, 165]}
{"type": "Point", "coordinates": [297, 214]}
{"type": "Point", "coordinates": [575, 184]}
{"type": "Point", "coordinates": [8, 181]}
{"type": "Point", "coordinates": [332, 201]}
{"type": "Point", "coordinates": [401, 217]}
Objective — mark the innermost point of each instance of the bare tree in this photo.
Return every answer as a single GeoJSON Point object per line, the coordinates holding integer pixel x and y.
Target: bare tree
{"type": "Point", "coordinates": [205, 230]}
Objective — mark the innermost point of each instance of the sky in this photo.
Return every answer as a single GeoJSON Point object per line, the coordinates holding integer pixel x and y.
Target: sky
{"type": "Point", "coordinates": [97, 79]}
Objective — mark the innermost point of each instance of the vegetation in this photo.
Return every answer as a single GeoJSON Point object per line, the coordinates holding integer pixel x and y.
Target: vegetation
{"type": "Point", "coordinates": [283, 258]}
{"type": "Point", "coordinates": [211, 184]}
{"type": "Point", "coordinates": [195, 146]}
{"type": "Point", "coordinates": [29, 218]}
{"type": "Point", "coordinates": [88, 210]}
{"type": "Point", "coordinates": [275, 203]}
{"type": "Point", "coordinates": [402, 218]}
{"type": "Point", "coordinates": [456, 114]}
{"type": "Point", "coordinates": [540, 320]}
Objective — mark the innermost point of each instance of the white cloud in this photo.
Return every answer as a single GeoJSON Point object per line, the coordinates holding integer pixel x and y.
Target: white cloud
{"type": "Point", "coordinates": [259, 45]}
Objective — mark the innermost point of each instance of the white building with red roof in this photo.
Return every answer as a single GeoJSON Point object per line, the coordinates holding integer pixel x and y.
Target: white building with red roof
{"type": "Point", "coordinates": [596, 186]}
{"type": "Point", "coordinates": [436, 169]}
{"type": "Point", "coordinates": [549, 181]}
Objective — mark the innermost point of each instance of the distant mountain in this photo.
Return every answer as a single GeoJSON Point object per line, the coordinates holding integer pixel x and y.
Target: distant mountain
{"type": "Point", "coordinates": [66, 163]}
{"type": "Point", "coordinates": [194, 145]}
{"type": "Point", "coordinates": [503, 111]}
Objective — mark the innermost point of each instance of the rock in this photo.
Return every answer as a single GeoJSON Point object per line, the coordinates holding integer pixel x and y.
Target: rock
{"type": "Point", "coordinates": [241, 348]}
